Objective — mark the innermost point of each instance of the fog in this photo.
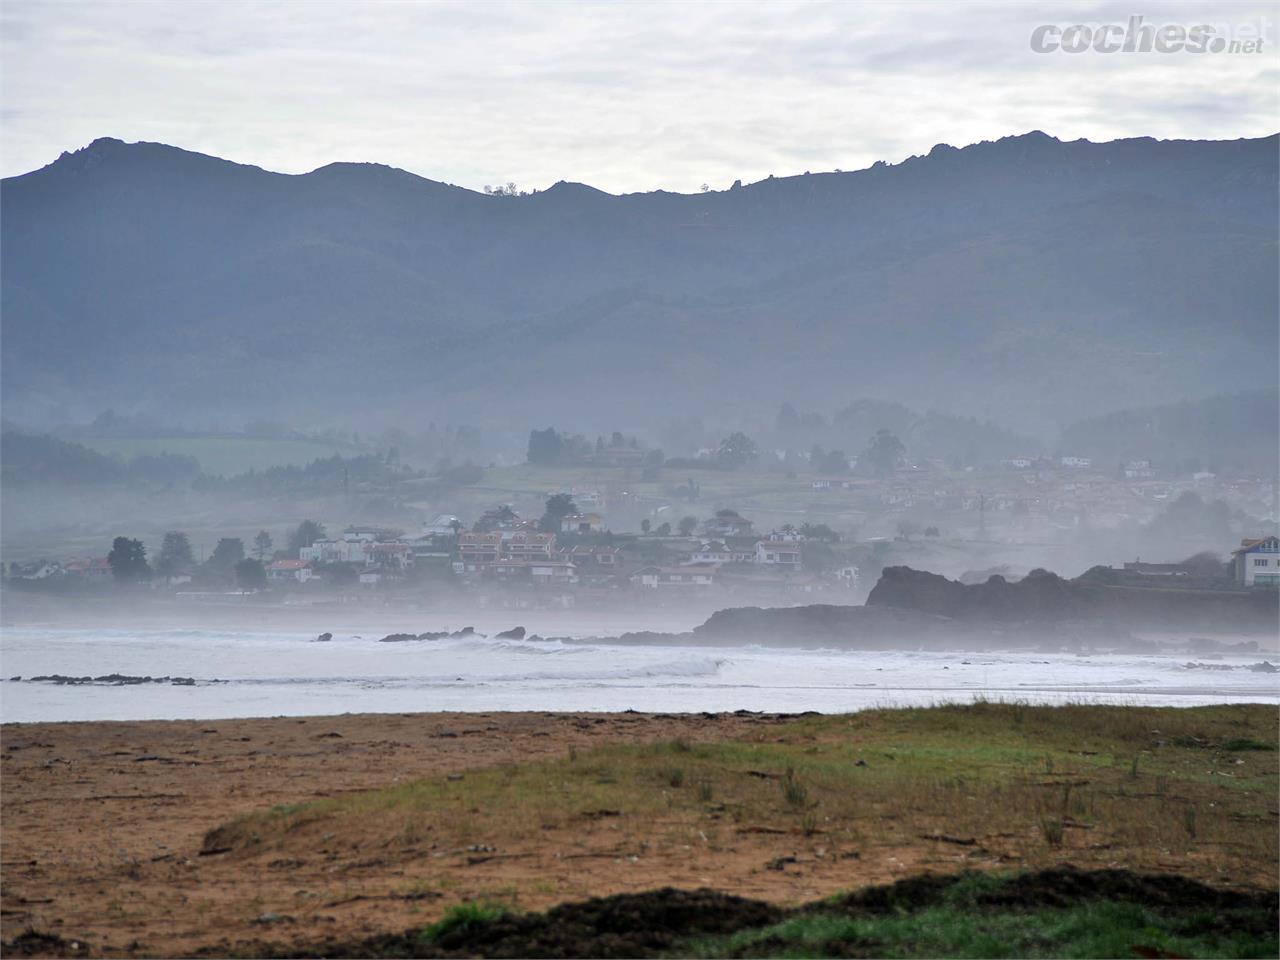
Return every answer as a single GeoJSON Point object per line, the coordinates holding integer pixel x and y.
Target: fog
{"type": "Point", "coordinates": [594, 423]}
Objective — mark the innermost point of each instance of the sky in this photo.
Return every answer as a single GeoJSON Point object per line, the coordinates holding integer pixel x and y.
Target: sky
{"type": "Point", "coordinates": [627, 95]}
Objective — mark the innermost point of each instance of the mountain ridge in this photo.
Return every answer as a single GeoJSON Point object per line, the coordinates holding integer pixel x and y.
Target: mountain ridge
{"type": "Point", "coordinates": [142, 275]}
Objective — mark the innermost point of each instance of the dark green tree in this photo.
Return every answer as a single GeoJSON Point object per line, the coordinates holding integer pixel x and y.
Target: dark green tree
{"type": "Point", "coordinates": [495, 519]}
{"type": "Point", "coordinates": [175, 555]}
{"type": "Point", "coordinates": [128, 559]}
{"type": "Point", "coordinates": [338, 573]}
{"type": "Point", "coordinates": [559, 506]}
{"type": "Point", "coordinates": [251, 574]}
{"type": "Point", "coordinates": [225, 556]}
{"type": "Point", "coordinates": [307, 533]}
{"type": "Point", "coordinates": [545, 447]}
{"type": "Point", "coordinates": [736, 450]}
{"type": "Point", "coordinates": [687, 526]}
{"type": "Point", "coordinates": [883, 452]}
{"type": "Point", "coordinates": [262, 545]}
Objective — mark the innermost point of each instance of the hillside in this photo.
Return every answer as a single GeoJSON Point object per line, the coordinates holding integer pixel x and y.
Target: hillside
{"type": "Point", "coordinates": [1028, 280]}
{"type": "Point", "coordinates": [1239, 430]}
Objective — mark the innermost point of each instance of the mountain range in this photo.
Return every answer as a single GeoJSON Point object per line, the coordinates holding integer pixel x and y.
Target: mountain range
{"type": "Point", "coordinates": [1028, 280]}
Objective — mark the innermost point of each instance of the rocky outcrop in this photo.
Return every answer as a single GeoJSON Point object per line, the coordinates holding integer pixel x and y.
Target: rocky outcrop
{"type": "Point", "coordinates": [1044, 598]}
{"type": "Point", "coordinates": [846, 626]}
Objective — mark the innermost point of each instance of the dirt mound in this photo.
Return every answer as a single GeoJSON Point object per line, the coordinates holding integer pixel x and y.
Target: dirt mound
{"type": "Point", "coordinates": [653, 923]}
{"type": "Point", "coordinates": [1063, 886]}
{"type": "Point", "coordinates": [625, 925]}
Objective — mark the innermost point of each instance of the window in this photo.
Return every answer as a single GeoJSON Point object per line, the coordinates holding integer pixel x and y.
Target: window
{"type": "Point", "coordinates": [1260, 562]}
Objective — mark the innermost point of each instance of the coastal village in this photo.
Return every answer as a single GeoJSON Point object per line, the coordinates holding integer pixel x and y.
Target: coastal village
{"type": "Point", "coordinates": [572, 555]}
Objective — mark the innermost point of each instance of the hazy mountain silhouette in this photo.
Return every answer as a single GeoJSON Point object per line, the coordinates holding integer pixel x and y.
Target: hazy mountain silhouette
{"type": "Point", "coordinates": [1027, 279]}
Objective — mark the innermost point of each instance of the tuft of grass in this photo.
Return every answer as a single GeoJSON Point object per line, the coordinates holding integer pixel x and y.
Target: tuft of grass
{"type": "Point", "coordinates": [675, 777]}
{"type": "Point", "coordinates": [793, 791]}
{"type": "Point", "coordinates": [1053, 830]}
{"type": "Point", "coordinates": [462, 919]}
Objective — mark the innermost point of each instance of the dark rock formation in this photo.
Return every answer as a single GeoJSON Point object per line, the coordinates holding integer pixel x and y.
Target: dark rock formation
{"type": "Point", "coordinates": [515, 633]}
{"type": "Point", "coordinates": [867, 627]}
{"type": "Point", "coordinates": [1044, 598]}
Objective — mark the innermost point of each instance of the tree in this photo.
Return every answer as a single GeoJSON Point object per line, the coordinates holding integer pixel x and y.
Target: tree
{"type": "Point", "coordinates": [687, 526]}
{"type": "Point", "coordinates": [818, 531]}
{"type": "Point", "coordinates": [645, 525]}
{"type": "Point", "coordinates": [545, 447]}
{"type": "Point", "coordinates": [883, 452]}
{"type": "Point", "coordinates": [225, 556]}
{"type": "Point", "coordinates": [251, 574]}
{"type": "Point", "coordinates": [834, 462]}
{"type": "Point", "coordinates": [262, 545]}
{"type": "Point", "coordinates": [559, 506]}
{"type": "Point", "coordinates": [128, 559]}
{"type": "Point", "coordinates": [495, 519]}
{"type": "Point", "coordinates": [175, 555]}
{"type": "Point", "coordinates": [339, 573]}
{"type": "Point", "coordinates": [788, 420]}
{"type": "Point", "coordinates": [736, 450]}
{"type": "Point", "coordinates": [664, 530]}
{"type": "Point", "coordinates": [307, 533]}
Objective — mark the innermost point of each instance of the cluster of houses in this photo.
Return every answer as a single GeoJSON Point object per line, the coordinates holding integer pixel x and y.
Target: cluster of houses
{"type": "Point", "coordinates": [1035, 497]}
{"type": "Point", "coordinates": [518, 552]}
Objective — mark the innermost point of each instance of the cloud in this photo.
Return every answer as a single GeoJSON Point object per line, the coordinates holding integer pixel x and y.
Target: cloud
{"type": "Point", "coordinates": [627, 97]}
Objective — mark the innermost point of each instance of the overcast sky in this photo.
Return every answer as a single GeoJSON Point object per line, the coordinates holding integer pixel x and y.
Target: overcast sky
{"type": "Point", "coordinates": [625, 95]}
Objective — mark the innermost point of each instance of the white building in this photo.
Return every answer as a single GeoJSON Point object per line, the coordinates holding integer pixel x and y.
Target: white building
{"type": "Point", "coordinates": [1257, 562]}
{"type": "Point", "coordinates": [1076, 463]}
{"type": "Point", "coordinates": [711, 551]}
{"type": "Point", "coordinates": [280, 570]}
{"type": "Point", "coordinates": [779, 553]}
{"type": "Point", "coordinates": [338, 551]}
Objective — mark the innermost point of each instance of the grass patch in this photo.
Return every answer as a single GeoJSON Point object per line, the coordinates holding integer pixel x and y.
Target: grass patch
{"type": "Point", "coordinates": [1046, 783]}
{"type": "Point", "coordinates": [462, 921]}
{"type": "Point", "coordinates": [1052, 914]}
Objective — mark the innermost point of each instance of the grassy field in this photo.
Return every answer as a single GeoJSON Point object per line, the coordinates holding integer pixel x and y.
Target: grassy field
{"type": "Point", "coordinates": [994, 785]}
{"type": "Point", "coordinates": [224, 455]}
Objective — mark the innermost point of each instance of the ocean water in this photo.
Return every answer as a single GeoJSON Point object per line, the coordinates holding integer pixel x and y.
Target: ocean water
{"type": "Point", "coordinates": [241, 673]}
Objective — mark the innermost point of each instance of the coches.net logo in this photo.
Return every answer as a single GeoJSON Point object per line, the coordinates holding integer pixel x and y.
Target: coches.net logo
{"type": "Point", "coordinates": [1137, 36]}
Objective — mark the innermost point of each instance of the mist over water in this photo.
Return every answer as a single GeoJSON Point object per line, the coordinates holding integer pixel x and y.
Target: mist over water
{"type": "Point", "coordinates": [243, 673]}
